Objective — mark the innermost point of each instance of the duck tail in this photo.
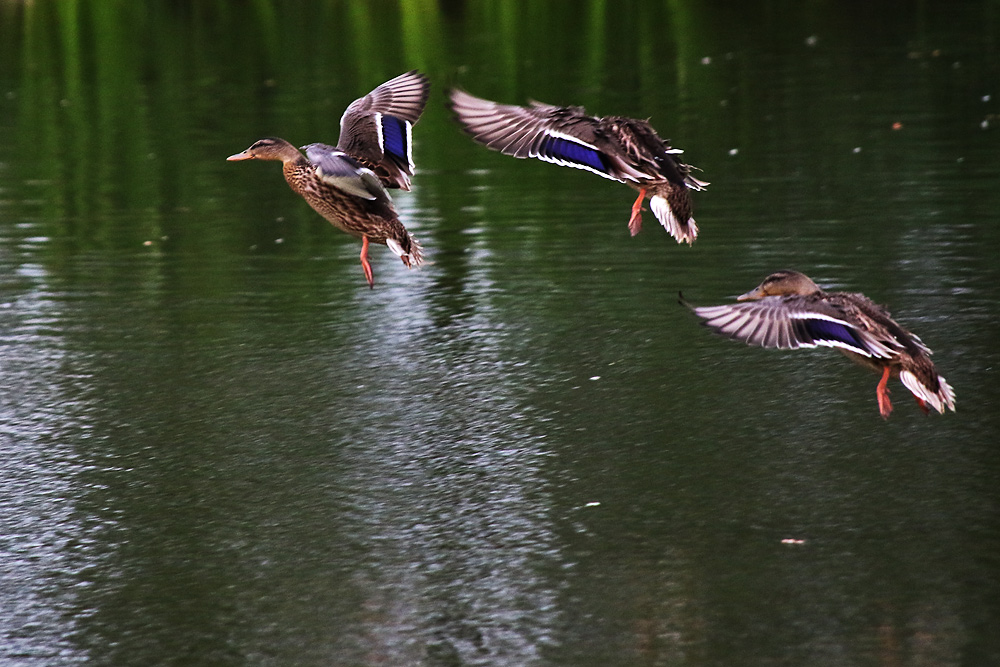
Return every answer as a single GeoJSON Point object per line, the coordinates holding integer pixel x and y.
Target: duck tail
{"type": "Point", "coordinates": [674, 213]}
{"type": "Point", "coordinates": [940, 398]}
{"type": "Point", "coordinates": [407, 249]}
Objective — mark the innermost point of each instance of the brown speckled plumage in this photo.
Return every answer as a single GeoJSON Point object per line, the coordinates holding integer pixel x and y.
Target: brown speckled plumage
{"type": "Point", "coordinates": [374, 218]}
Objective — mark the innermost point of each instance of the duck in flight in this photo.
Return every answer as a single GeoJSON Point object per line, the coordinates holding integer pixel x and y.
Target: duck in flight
{"type": "Point", "coordinates": [616, 147]}
{"type": "Point", "coordinates": [347, 183]}
{"type": "Point", "coordinates": [788, 310]}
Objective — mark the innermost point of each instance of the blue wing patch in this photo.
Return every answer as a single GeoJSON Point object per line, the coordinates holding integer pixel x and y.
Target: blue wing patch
{"type": "Point", "coordinates": [832, 332]}
{"type": "Point", "coordinates": [564, 150]}
{"type": "Point", "coordinates": [394, 138]}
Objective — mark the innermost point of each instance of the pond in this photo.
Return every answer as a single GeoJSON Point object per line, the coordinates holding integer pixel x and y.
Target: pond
{"type": "Point", "coordinates": [220, 447]}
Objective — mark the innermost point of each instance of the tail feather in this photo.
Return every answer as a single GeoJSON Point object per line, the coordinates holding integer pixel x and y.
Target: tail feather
{"type": "Point", "coordinates": [413, 255]}
{"type": "Point", "coordinates": [684, 232]}
{"type": "Point", "coordinates": [943, 398]}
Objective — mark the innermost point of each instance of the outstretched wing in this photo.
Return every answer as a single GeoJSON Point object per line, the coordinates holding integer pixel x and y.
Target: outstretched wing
{"type": "Point", "coordinates": [377, 128]}
{"type": "Point", "coordinates": [565, 136]}
{"type": "Point", "coordinates": [790, 322]}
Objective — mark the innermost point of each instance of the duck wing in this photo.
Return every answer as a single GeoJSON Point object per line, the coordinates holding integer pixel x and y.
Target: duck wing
{"type": "Point", "coordinates": [790, 322]}
{"type": "Point", "coordinates": [565, 136]}
{"type": "Point", "coordinates": [877, 320]}
{"type": "Point", "coordinates": [378, 128]}
{"type": "Point", "coordinates": [342, 171]}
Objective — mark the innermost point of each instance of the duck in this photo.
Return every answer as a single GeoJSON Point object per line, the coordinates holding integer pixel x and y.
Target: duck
{"type": "Point", "coordinates": [348, 183]}
{"type": "Point", "coordinates": [787, 310]}
{"type": "Point", "coordinates": [619, 148]}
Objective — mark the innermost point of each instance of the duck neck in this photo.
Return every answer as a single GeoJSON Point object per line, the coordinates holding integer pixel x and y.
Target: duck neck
{"type": "Point", "coordinates": [295, 169]}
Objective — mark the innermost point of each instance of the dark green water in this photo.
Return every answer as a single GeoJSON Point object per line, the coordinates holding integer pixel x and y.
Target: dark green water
{"type": "Point", "coordinates": [219, 447]}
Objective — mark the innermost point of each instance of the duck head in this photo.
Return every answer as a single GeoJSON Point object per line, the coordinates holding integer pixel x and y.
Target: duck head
{"type": "Point", "coordinates": [781, 283]}
{"type": "Point", "coordinates": [269, 148]}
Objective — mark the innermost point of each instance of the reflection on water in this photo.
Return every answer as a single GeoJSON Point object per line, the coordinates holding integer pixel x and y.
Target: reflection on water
{"type": "Point", "coordinates": [406, 470]}
{"type": "Point", "coordinates": [44, 542]}
{"type": "Point", "coordinates": [220, 447]}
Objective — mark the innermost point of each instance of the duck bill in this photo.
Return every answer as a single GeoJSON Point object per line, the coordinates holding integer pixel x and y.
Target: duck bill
{"type": "Point", "coordinates": [752, 295]}
{"type": "Point", "coordinates": [245, 155]}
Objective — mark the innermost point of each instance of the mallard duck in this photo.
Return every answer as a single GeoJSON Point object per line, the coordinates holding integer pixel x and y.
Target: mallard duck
{"type": "Point", "coordinates": [622, 149]}
{"type": "Point", "coordinates": [347, 184]}
{"type": "Point", "coordinates": [788, 310]}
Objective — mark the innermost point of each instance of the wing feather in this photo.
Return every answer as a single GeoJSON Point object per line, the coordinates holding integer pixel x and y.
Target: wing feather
{"type": "Point", "coordinates": [378, 128]}
{"type": "Point", "coordinates": [788, 322]}
{"type": "Point", "coordinates": [560, 135]}
{"type": "Point", "coordinates": [340, 170]}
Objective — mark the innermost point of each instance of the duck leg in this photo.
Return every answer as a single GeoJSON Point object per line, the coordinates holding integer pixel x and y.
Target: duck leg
{"type": "Point", "coordinates": [365, 264]}
{"type": "Point", "coordinates": [635, 222]}
{"type": "Point", "coordinates": [882, 391]}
